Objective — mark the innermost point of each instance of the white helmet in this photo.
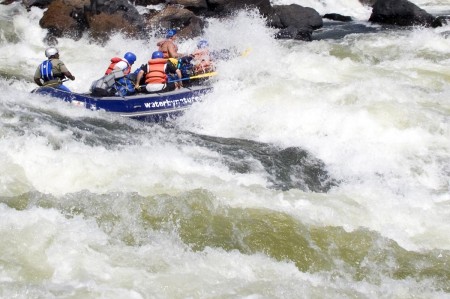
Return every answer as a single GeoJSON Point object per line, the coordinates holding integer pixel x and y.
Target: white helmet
{"type": "Point", "coordinates": [50, 52]}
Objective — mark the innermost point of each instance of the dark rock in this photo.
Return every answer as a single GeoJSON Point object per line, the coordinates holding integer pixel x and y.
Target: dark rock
{"type": "Point", "coordinates": [7, 2]}
{"type": "Point", "coordinates": [227, 7]}
{"type": "Point", "coordinates": [288, 168]}
{"type": "Point", "coordinates": [337, 17]}
{"type": "Point", "coordinates": [63, 19]}
{"type": "Point", "coordinates": [295, 21]}
{"type": "Point", "coordinates": [102, 25]}
{"type": "Point", "coordinates": [368, 2]}
{"type": "Point", "coordinates": [295, 15]}
{"type": "Point", "coordinates": [441, 21]}
{"type": "Point", "coordinates": [104, 17]}
{"type": "Point", "coordinates": [173, 16]}
{"type": "Point", "coordinates": [292, 32]}
{"type": "Point", "coordinates": [71, 18]}
{"type": "Point", "coordinates": [287, 33]}
{"type": "Point", "coordinates": [194, 28]}
{"type": "Point", "coordinates": [149, 2]}
{"type": "Point", "coordinates": [401, 13]}
{"type": "Point", "coordinates": [37, 3]}
{"type": "Point", "coordinates": [114, 6]}
{"type": "Point", "coordinates": [193, 4]}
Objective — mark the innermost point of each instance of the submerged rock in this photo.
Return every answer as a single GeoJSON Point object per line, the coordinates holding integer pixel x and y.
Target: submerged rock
{"type": "Point", "coordinates": [286, 168]}
{"type": "Point", "coordinates": [337, 17]}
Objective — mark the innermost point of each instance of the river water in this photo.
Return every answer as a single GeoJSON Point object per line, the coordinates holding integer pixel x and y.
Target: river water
{"type": "Point", "coordinates": [314, 170]}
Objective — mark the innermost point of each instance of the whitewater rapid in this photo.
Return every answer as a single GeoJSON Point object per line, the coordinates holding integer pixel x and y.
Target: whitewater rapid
{"type": "Point", "coordinates": [96, 206]}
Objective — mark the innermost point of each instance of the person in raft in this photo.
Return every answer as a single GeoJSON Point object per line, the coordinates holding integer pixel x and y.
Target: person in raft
{"type": "Point", "coordinates": [159, 74]}
{"type": "Point", "coordinates": [121, 64]}
{"type": "Point", "coordinates": [201, 59]}
{"type": "Point", "coordinates": [168, 46]}
{"type": "Point", "coordinates": [52, 71]}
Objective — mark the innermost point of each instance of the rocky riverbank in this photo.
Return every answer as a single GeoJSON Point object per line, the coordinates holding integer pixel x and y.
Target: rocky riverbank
{"type": "Point", "coordinates": [100, 18]}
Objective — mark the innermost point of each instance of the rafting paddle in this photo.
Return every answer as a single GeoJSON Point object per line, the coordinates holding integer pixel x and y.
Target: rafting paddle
{"type": "Point", "coordinates": [195, 77]}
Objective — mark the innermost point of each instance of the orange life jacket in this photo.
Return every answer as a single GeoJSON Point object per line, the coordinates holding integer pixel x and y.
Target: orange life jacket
{"type": "Point", "coordinates": [156, 73]}
{"type": "Point", "coordinates": [114, 61]}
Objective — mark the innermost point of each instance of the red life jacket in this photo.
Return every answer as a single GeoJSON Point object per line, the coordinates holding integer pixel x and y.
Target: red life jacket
{"type": "Point", "coordinates": [156, 72]}
{"type": "Point", "coordinates": [114, 61]}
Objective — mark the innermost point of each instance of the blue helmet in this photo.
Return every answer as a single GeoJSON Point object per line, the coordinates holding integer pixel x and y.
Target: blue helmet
{"type": "Point", "coordinates": [130, 57]}
{"type": "Point", "coordinates": [202, 44]}
{"type": "Point", "coordinates": [157, 54]}
{"type": "Point", "coordinates": [171, 33]}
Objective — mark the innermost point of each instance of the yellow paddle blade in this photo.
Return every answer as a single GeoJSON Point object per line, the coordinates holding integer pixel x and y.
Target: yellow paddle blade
{"type": "Point", "coordinates": [246, 52]}
{"type": "Point", "coordinates": [203, 75]}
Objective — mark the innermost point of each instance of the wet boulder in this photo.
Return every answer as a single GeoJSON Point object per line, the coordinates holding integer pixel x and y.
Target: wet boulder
{"type": "Point", "coordinates": [149, 2]}
{"type": "Point", "coordinates": [337, 17]}
{"type": "Point", "coordinates": [295, 21]}
{"type": "Point", "coordinates": [441, 21]}
{"type": "Point", "coordinates": [64, 18]}
{"type": "Point", "coordinates": [227, 7]}
{"type": "Point", "coordinates": [112, 7]}
{"type": "Point", "coordinates": [196, 6]}
{"type": "Point", "coordinates": [37, 3]}
{"type": "Point", "coordinates": [102, 25]}
{"type": "Point", "coordinates": [104, 17]}
{"type": "Point", "coordinates": [101, 18]}
{"type": "Point", "coordinates": [401, 13]}
{"type": "Point", "coordinates": [173, 16]}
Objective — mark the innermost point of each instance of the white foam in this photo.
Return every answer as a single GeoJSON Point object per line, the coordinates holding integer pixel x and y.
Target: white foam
{"type": "Point", "coordinates": [373, 107]}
